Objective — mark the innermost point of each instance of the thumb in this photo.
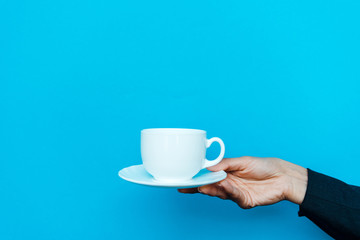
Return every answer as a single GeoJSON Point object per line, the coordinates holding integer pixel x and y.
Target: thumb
{"type": "Point", "coordinates": [230, 164]}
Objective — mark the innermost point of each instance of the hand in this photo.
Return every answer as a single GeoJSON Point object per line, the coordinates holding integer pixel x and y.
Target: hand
{"type": "Point", "coordinates": [253, 181]}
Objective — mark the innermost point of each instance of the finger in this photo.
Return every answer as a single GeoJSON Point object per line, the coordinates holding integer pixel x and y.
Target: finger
{"type": "Point", "coordinates": [188, 190]}
{"type": "Point", "coordinates": [221, 192]}
{"type": "Point", "coordinates": [230, 164]}
{"type": "Point", "coordinates": [228, 188]}
{"type": "Point", "coordinates": [235, 194]}
{"type": "Point", "coordinates": [214, 190]}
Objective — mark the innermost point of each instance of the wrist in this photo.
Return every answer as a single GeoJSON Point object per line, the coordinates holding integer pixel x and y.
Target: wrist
{"type": "Point", "coordinates": [297, 178]}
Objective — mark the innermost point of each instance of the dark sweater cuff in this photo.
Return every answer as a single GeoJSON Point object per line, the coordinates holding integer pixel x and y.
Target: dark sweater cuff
{"type": "Point", "coordinates": [309, 194]}
{"type": "Point", "coordinates": [322, 189]}
{"type": "Point", "coordinates": [332, 205]}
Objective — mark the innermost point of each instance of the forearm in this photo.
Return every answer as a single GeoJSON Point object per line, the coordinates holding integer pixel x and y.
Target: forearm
{"type": "Point", "coordinates": [332, 205]}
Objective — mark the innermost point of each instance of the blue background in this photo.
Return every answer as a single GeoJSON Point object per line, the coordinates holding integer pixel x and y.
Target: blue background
{"type": "Point", "coordinates": [80, 79]}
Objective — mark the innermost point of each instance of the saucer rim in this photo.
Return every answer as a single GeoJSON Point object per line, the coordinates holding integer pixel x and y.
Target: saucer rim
{"type": "Point", "coordinates": [188, 184]}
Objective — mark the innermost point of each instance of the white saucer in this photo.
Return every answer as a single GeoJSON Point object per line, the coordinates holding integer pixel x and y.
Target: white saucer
{"type": "Point", "coordinates": [138, 174]}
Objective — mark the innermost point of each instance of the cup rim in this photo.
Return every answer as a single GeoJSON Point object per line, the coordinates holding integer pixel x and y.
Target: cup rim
{"type": "Point", "coordinates": [172, 131]}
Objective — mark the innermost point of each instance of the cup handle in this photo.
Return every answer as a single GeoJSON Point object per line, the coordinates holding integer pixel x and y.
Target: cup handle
{"type": "Point", "coordinates": [221, 155]}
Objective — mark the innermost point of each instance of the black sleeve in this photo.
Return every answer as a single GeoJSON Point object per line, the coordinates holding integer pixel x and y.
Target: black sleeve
{"type": "Point", "coordinates": [332, 205]}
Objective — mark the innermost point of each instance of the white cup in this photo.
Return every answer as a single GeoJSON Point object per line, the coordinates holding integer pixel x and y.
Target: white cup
{"type": "Point", "coordinates": [175, 154]}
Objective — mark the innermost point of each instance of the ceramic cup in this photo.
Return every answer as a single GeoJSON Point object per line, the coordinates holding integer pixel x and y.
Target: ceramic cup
{"type": "Point", "coordinates": [175, 154]}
